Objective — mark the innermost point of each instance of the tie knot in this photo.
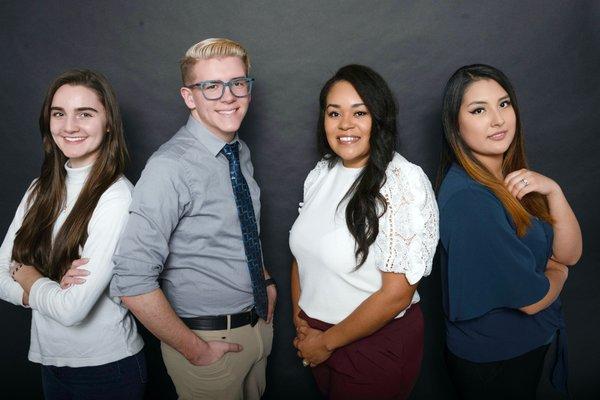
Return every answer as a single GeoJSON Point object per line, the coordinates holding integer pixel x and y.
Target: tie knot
{"type": "Point", "coordinates": [231, 151]}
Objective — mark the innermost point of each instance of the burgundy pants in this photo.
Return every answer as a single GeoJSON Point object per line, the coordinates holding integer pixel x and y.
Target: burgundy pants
{"type": "Point", "coordinates": [384, 365]}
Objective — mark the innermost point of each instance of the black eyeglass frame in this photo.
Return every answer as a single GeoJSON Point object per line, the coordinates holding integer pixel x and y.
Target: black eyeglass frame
{"type": "Point", "coordinates": [201, 85]}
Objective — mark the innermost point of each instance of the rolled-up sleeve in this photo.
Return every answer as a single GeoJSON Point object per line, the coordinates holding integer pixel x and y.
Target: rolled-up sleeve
{"type": "Point", "coordinates": [159, 201]}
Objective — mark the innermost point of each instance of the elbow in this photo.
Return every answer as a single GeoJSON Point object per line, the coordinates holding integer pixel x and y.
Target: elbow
{"type": "Point", "coordinates": [568, 260]}
{"type": "Point", "coordinates": [397, 304]}
{"type": "Point", "coordinates": [71, 319]}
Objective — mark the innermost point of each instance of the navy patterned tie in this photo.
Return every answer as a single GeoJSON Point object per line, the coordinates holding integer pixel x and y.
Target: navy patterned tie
{"type": "Point", "coordinates": [243, 201]}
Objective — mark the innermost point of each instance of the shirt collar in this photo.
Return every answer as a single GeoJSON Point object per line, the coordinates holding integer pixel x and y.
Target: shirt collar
{"type": "Point", "coordinates": [209, 140]}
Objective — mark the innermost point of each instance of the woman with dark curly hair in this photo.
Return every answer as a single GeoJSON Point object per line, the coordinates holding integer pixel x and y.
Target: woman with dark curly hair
{"type": "Point", "coordinates": [366, 234]}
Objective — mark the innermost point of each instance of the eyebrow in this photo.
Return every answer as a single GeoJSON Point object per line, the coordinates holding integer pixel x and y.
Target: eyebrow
{"type": "Point", "coordinates": [352, 106]}
{"type": "Point", "coordinates": [507, 97]}
{"type": "Point", "coordinates": [77, 109]}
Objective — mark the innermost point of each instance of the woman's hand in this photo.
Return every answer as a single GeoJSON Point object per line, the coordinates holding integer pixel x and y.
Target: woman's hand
{"type": "Point", "coordinates": [25, 275]}
{"type": "Point", "coordinates": [74, 274]}
{"type": "Point", "coordinates": [298, 322]}
{"type": "Point", "coordinates": [521, 182]}
{"type": "Point", "coordinates": [311, 345]}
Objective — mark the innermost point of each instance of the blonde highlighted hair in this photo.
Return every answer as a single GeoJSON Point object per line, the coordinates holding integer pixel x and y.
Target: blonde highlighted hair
{"type": "Point", "coordinates": [211, 48]}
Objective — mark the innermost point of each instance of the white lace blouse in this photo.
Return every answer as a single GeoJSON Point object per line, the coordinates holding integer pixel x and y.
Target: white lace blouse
{"type": "Point", "coordinates": [324, 249]}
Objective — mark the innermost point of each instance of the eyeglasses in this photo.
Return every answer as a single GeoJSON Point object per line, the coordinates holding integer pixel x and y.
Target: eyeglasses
{"type": "Point", "coordinates": [214, 90]}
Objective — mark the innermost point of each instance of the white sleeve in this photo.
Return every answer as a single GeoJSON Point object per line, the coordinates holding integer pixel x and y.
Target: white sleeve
{"type": "Point", "coordinates": [408, 231]}
{"type": "Point", "coordinates": [71, 306]}
{"type": "Point", "coordinates": [311, 180]}
{"type": "Point", "coordinates": [10, 290]}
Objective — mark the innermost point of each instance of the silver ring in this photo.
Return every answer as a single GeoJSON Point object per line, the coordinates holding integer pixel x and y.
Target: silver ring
{"type": "Point", "coordinates": [305, 363]}
{"type": "Point", "coordinates": [525, 182]}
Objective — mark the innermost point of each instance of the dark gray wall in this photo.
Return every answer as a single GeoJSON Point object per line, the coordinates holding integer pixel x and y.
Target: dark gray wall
{"type": "Point", "coordinates": [550, 50]}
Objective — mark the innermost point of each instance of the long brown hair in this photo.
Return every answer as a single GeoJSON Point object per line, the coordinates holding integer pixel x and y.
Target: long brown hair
{"type": "Point", "coordinates": [33, 244]}
{"type": "Point", "coordinates": [454, 149]}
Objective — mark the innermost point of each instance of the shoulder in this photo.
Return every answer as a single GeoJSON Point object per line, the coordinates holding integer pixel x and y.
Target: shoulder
{"type": "Point", "coordinates": [315, 174]}
{"type": "Point", "coordinates": [175, 149]}
{"type": "Point", "coordinates": [117, 193]}
{"type": "Point", "coordinates": [458, 188]}
{"type": "Point", "coordinates": [402, 175]}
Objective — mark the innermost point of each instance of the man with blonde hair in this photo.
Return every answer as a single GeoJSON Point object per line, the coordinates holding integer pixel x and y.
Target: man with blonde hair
{"type": "Point", "coordinates": [193, 226]}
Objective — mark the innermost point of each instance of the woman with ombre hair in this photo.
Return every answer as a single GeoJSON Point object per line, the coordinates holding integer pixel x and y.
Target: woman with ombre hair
{"type": "Point", "coordinates": [72, 216]}
{"type": "Point", "coordinates": [507, 238]}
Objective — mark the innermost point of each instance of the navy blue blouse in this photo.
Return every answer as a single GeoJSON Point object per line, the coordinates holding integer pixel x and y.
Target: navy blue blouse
{"type": "Point", "coordinates": [488, 273]}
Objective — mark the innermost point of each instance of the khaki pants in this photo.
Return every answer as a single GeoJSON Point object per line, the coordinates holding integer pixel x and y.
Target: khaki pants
{"type": "Point", "coordinates": [236, 376]}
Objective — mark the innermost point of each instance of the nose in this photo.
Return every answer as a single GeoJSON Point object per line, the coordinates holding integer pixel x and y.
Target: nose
{"type": "Point", "coordinates": [497, 118]}
{"type": "Point", "coordinates": [71, 124]}
{"type": "Point", "coordinates": [228, 97]}
{"type": "Point", "coordinates": [346, 122]}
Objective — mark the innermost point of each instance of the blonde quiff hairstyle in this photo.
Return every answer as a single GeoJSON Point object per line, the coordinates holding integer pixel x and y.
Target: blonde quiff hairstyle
{"type": "Point", "coordinates": [211, 48]}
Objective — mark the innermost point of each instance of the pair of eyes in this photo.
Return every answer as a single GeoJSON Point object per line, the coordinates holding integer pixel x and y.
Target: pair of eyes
{"type": "Point", "coordinates": [358, 114]}
{"type": "Point", "coordinates": [481, 110]}
{"type": "Point", "coordinates": [218, 85]}
{"type": "Point", "coordinates": [59, 114]}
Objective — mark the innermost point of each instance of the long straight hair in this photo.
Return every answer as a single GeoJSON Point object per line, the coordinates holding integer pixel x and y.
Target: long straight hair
{"type": "Point", "coordinates": [362, 217]}
{"type": "Point", "coordinates": [33, 244]}
{"type": "Point", "coordinates": [455, 150]}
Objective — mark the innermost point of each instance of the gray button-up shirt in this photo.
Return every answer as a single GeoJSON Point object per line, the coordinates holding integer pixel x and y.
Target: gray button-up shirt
{"type": "Point", "coordinates": [184, 230]}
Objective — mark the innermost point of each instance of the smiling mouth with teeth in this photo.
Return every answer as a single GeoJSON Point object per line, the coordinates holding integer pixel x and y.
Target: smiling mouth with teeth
{"type": "Point", "coordinates": [348, 139]}
{"type": "Point", "coordinates": [74, 139]}
{"type": "Point", "coordinates": [227, 112]}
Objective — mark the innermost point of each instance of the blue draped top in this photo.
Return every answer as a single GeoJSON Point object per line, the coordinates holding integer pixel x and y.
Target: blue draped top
{"type": "Point", "coordinates": [488, 273]}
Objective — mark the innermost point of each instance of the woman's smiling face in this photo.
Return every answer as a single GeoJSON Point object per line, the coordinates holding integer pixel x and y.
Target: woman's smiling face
{"type": "Point", "coordinates": [348, 125]}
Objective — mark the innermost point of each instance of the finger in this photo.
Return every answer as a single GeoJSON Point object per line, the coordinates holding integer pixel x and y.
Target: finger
{"type": "Point", "coordinates": [234, 348]}
{"type": "Point", "coordinates": [301, 336]}
{"type": "Point", "coordinates": [295, 342]}
{"type": "Point", "coordinates": [514, 178]}
{"type": "Point", "coordinates": [78, 263]}
{"type": "Point", "coordinates": [312, 365]}
{"type": "Point", "coordinates": [299, 353]}
{"type": "Point", "coordinates": [512, 182]}
{"type": "Point", "coordinates": [519, 185]}
{"type": "Point", "coordinates": [514, 174]}
{"type": "Point", "coordinates": [78, 281]}
{"type": "Point", "coordinates": [78, 272]}
{"type": "Point", "coordinates": [524, 191]}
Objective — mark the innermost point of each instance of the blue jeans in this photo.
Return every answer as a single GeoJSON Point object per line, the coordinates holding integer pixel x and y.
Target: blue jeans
{"type": "Point", "coordinates": [124, 379]}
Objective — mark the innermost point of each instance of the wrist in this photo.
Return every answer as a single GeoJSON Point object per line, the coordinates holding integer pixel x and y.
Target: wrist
{"type": "Point", "coordinates": [329, 341]}
{"type": "Point", "coordinates": [556, 192]}
{"type": "Point", "coordinates": [270, 281]}
{"type": "Point", "coordinates": [193, 347]}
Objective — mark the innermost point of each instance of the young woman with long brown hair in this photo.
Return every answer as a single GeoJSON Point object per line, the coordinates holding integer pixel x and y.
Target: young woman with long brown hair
{"type": "Point", "coordinates": [71, 216]}
{"type": "Point", "coordinates": [508, 235]}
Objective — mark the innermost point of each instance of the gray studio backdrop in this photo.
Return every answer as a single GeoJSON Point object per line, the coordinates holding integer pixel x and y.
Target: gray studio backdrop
{"type": "Point", "coordinates": [550, 50]}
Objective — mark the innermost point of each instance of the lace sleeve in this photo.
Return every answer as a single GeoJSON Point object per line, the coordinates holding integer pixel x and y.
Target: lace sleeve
{"type": "Point", "coordinates": [311, 179]}
{"type": "Point", "coordinates": [408, 231]}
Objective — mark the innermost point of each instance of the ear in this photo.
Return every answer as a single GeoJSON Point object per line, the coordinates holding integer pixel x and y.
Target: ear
{"type": "Point", "coordinates": [188, 98]}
